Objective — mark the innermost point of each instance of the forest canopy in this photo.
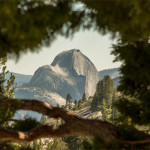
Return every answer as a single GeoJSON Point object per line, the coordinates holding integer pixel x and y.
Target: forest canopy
{"type": "Point", "coordinates": [28, 25]}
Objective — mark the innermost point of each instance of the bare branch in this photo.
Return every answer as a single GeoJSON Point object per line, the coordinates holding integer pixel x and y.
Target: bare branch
{"type": "Point", "coordinates": [73, 126]}
{"type": "Point", "coordinates": [137, 142]}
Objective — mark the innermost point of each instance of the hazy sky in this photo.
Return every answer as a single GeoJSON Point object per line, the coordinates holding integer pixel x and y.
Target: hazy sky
{"type": "Point", "coordinates": [95, 46]}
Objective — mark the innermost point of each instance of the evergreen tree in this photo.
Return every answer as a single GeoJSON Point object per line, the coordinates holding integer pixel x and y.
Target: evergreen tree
{"type": "Point", "coordinates": [84, 97]}
{"type": "Point", "coordinates": [6, 114]}
{"type": "Point", "coordinates": [108, 90]}
{"type": "Point", "coordinates": [98, 96]}
{"type": "Point", "coordinates": [104, 90]}
{"type": "Point", "coordinates": [79, 104]}
{"type": "Point", "coordinates": [134, 84]}
{"type": "Point", "coordinates": [106, 112]}
{"type": "Point", "coordinates": [68, 101]}
{"type": "Point", "coordinates": [104, 109]}
{"type": "Point", "coordinates": [8, 90]}
{"type": "Point", "coordinates": [114, 109]}
{"type": "Point", "coordinates": [96, 102]}
{"type": "Point", "coordinates": [76, 104]}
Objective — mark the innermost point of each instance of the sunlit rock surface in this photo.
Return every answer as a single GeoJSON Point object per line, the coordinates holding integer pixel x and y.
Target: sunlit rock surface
{"type": "Point", "coordinates": [70, 72]}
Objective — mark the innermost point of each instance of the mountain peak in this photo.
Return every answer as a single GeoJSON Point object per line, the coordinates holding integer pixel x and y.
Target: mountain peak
{"type": "Point", "coordinates": [70, 51]}
{"type": "Point", "coordinates": [65, 58]}
{"type": "Point", "coordinates": [75, 50]}
{"type": "Point", "coordinates": [74, 63]}
{"type": "Point", "coordinates": [70, 72]}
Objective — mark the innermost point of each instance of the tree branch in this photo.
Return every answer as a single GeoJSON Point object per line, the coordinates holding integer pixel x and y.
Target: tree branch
{"type": "Point", "coordinates": [73, 126]}
{"type": "Point", "coordinates": [137, 142]}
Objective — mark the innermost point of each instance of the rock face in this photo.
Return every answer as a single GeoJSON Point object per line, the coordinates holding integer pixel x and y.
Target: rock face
{"type": "Point", "coordinates": [70, 72]}
{"type": "Point", "coordinates": [39, 94]}
{"type": "Point", "coordinates": [80, 68]}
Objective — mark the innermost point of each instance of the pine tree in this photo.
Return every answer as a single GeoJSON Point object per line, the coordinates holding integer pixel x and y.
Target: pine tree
{"type": "Point", "coordinates": [8, 90]}
{"type": "Point", "coordinates": [6, 114]}
{"type": "Point", "coordinates": [100, 90]}
{"type": "Point", "coordinates": [108, 90]}
{"type": "Point", "coordinates": [134, 84]}
{"type": "Point", "coordinates": [104, 90]}
{"type": "Point", "coordinates": [68, 101]}
{"type": "Point", "coordinates": [104, 110]}
{"type": "Point", "coordinates": [84, 97]}
{"type": "Point", "coordinates": [114, 109]}
{"type": "Point", "coordinates": [79, 104]}
{"type": "Point", "coordinates": [96, 102]}
{"type": "Point", "coordinates": [98, 96]}
{"type": "Point", "coordinates": [76, 104]}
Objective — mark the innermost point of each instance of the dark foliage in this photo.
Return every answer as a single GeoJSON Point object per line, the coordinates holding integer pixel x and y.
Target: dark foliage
{"type": "Point", "coordinates": [26, 124]}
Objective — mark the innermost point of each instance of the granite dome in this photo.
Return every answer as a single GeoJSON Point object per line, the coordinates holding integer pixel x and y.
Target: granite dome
{"type": "Point", "coordinates": [70, 72]}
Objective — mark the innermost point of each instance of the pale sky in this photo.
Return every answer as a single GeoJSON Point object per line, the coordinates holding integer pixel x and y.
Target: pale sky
{"type": "Point", "coordinates": [95, 46]}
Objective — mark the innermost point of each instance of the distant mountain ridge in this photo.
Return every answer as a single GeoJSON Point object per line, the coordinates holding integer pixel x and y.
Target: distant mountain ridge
{"type": "Point", "coordinates": [113, 73]}
{"type": "Point", "coordinates": [20, 79]}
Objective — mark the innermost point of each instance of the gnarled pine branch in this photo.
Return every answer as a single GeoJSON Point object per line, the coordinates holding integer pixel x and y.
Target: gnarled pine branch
{"type": "Point", "coordinates": [73, 126]}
